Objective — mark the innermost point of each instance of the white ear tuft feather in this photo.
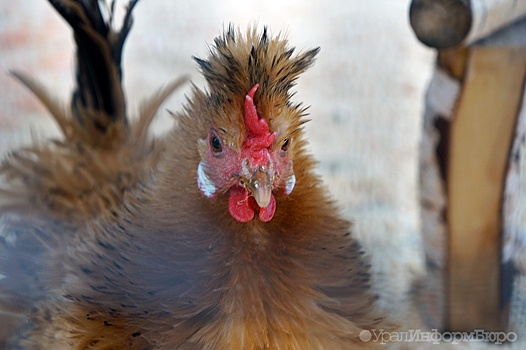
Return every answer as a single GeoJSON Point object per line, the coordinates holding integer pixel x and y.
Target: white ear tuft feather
{"type": "Point", "coordinates": [289, 185]}
{"type": "Point", "coordinates": [205, 184]}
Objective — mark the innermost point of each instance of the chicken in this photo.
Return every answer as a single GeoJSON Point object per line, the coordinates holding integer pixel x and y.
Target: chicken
{"type": "Point", "coordinates": [216, 236]}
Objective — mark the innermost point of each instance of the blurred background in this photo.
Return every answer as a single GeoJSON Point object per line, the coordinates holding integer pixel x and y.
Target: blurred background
{"type": "Point", "coordinates": [366, 93]}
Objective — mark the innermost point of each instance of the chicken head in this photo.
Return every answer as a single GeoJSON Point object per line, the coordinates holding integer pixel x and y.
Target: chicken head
{"type": "Point", "coordinates": [250, 173]}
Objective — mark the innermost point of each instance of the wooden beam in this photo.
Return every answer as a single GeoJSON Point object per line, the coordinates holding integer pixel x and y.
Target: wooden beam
{"type": "Point", "coordinates": [448, 23]}
{"type": "Point", "coordinates": [440, 23]}
{"type": "Point", "coordinates": [481, 135]}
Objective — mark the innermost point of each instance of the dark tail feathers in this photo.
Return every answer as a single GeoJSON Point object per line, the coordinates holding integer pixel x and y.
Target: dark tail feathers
{"type": "Point", "coordinates": [99, 52]}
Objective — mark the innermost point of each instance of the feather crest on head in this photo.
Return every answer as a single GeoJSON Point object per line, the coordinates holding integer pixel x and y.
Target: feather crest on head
{"type": "Point", "coordinates": [246, 153]}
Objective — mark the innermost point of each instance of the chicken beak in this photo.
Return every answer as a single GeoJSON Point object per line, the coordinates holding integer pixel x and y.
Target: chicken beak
{"type": "Point", "coordinates": [260, 185]}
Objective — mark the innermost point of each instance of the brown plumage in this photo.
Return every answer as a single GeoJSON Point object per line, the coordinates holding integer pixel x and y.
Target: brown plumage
{"type": "Point", "coordinates": [219, 236]}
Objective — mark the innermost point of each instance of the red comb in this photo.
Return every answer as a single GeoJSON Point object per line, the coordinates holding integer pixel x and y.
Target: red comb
{"type": "Point", "coordinates": [255, 126]}
{"type": "Point", "coordinates": [258, 137]}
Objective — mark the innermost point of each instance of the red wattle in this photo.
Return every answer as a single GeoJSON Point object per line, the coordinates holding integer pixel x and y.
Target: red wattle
{"type": "Point", "coordinates": [266, 214]}
{"type": "Point", "coordinates": [238, 204]}
{"type": "Point", "coordinates": [242, 207]}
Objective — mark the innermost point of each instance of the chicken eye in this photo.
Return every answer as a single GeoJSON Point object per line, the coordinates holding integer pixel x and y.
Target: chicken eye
{"type": "Point", "coordinates": [285, 145]}
{"type": "Point", "coordinates": [216, 145]}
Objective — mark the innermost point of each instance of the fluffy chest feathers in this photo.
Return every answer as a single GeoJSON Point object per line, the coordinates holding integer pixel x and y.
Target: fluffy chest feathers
{"type": "Point", "coordinates": [257, 285]}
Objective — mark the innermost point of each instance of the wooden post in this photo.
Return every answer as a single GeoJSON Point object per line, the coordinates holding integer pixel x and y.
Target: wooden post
{"type": "Point", "coordinates": [480, 139]}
